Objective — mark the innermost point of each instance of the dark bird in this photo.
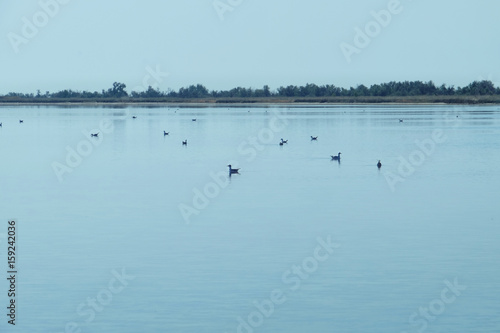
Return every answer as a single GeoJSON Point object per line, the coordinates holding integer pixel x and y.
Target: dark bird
{"type": "Point", "coordinates": [0, 124]}
{"type": "Point", "coordinates": [21, 121]}
{"type": "Point", "coordinates": [165, 133]}
{"type": "Point", "coordinates": [314, 138]}
{"type": "Point", "coordinates": [284, 141]}
{"type": "Point", "coordinates": [400, 120]}
{"type": "Point", "coordinates": [94, 134]}
{"type": "Point", "coordinates": [379, 165]}
{"type": "Point", "coordinates": [336, 158]}
{"type": "Point", "coordinates": [185, 142]}
{"type": "Point", "coordinates": [232, 171]}
{"type": "Point", "coordinates": [133, 117]}
{"type": "Point", "coordinates": [194, 119]}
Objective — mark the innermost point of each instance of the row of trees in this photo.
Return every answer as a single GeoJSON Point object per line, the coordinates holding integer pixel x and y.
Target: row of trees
{"type": "Point", "coordinates": [406, 88]}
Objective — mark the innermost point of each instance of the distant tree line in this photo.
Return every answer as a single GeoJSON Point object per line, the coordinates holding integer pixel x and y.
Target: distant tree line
{"type": "Point", "coordinates": [406, 88]}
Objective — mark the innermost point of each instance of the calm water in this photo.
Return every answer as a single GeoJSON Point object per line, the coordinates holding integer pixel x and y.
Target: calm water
{"type": "Point", "coordinates": [198, 254]}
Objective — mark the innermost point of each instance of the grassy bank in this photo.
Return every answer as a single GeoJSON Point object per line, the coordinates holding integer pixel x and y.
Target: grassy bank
{"type": "Point", "coordinates": [484, 99]}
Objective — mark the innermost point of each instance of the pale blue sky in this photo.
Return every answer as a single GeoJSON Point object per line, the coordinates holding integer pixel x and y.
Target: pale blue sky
{"type": "Point", "coordinates": [89, 44]}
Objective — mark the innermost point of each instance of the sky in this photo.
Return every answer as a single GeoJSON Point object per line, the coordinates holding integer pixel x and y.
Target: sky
{"type": "Point", "coordinates": [53, 45]}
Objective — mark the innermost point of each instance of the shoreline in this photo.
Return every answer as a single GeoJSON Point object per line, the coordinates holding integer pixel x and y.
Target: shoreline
{"type": "Point", "coordinates": [199, 104]}
{"type": "Point", "coordinates": [246, 102]}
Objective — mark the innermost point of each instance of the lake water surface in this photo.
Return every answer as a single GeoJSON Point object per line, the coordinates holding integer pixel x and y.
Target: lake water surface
{"type": "Point", "coordinates": [134, 232]}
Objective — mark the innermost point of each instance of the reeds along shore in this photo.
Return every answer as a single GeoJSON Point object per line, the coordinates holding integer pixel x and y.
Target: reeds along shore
{"type": "Point", "coordinates": [483, 99]}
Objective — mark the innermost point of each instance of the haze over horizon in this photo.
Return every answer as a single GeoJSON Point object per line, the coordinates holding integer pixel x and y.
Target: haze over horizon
{"type": "Point", "coordinates": [53, 45]}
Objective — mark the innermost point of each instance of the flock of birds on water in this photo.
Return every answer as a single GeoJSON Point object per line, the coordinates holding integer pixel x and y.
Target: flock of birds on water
{"type": "Point", "coordinates": [282, 142]}
{"type": "Point", "coordinates": [231, 169]}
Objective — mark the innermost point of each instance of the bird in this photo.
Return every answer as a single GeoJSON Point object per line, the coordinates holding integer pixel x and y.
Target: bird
{"type": "Point", "coordinates": [94, 134]}
{"type": "Point", "coordinates": [400, 120]}
{"type": "Point", "coordinates": [281, 143]}
{"type": "Point", "coordinates": [0, 124]}
{"type": "Point", "coordinates": [133, 117]}
{"type": "Point", "coordinates": [165, 133]}
{"type": "Point", "coordinates": [314, 138]}
{"type": "Point", "coordinates": [231, 170]}
{"type": "Point", "coordinates": [284, 141]}
{"type": "Point", "coordinates": [185, 142]}
{"type": "Point", "coordinates": [379, 165]}
{"type": "Point", "coordinates": [336, 158]}
{"type": "Point", "coordinates": [194, 119]}
{"type": "Point", "coordinates": [21, 121]}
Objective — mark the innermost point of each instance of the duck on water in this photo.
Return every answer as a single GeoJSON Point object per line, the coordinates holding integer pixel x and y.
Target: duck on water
{"type": "Point", "coordinates": [232, 171]}
{"type": "Point", "coordinates": [336, 158]}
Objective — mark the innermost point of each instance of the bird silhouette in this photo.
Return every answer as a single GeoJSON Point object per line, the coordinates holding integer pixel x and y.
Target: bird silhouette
{"type": "Point", "coordinates": [336, 158]}
{"type": "Point", "coordinates": [231, 170]}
